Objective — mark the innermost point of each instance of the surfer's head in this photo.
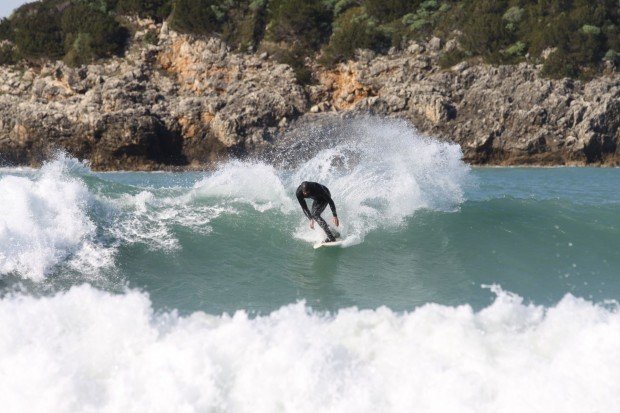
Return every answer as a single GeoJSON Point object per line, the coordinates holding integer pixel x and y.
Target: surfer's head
{"type": "Point", "coordinates": [304, 188]}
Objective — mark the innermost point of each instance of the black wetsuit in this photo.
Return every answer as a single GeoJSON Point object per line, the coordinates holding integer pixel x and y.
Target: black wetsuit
{"type": "Point", "coordinates": [321, 198]}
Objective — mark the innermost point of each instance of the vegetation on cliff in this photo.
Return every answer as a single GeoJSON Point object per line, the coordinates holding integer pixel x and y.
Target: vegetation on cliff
{"type": "Point", "coordinates": [78, 31]}
{"type": "Point", "coordinates": [570, 37]}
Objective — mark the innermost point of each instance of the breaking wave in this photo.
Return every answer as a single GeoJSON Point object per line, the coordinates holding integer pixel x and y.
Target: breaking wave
{"type": "Point", "coordinates": [379, 171]}
{"type": "Point", "coordinates": [88, 350]}
{"type": "Point", "coordinates": [44, 221]}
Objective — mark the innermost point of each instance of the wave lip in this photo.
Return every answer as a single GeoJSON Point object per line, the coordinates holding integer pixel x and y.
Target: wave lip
{"type": "Point", "coordinates": [87, 350]}
{"type": "Point", "coordinates": [254, 183]}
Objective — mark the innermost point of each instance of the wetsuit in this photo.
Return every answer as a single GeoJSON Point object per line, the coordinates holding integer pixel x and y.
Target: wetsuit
{"type": "Point", "coordinates": [321, 198]}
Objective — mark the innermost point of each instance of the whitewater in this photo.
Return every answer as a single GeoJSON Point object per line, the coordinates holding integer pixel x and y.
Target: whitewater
{"type": "Point", "coordinates": [456, 289]}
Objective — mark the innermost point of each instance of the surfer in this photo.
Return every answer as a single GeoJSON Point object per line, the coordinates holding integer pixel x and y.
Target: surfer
{"type": "Point", "coordinates": [320, 198]}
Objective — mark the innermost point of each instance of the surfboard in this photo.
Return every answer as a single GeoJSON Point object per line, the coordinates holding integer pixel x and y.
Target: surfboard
{"type": "Point", "coordinates": [328, 244]}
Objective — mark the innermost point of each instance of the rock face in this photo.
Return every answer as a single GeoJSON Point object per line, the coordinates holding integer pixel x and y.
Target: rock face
{"type": "Point", "coordinates": [182, 103]}
{"type": "Point", "coordinates": [185, 103]}
{"type": "Point", "coordinates": [506, 115]}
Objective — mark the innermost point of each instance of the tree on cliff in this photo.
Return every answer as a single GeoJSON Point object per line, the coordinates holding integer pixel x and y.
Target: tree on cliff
{"type": "Point", "coordinates": [36, 30]}
{"type": "Point", "coordinates": [296, 29]}
{"type": "Point", "coordinates": [154, 9]}
{"type": "Point", "coordinates": [570, 37]}
{"type": "Point", "coordinates": [197, 16]}
{"type": "Point", "coordinates": [78, 31]}
{"type": "Point", "coordinates": [303, 22]}
{"type": "Point", "coordinates": [90, 33]}
{"type": "Point", "coordinates": [353, 30]}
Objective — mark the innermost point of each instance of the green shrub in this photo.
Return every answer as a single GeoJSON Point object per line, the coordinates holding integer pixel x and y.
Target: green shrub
{"type": "Point", "coordinates": [385, 11]}
{"type": "Point", "coordinates": [612, 56]}
{"type": "Point", "coordinates": [155, 9]}
{"type": "Point", "coordinates": [451, 58]}
{"type": "Point", "coordinates": [79, 30]}
{"type": "Point", "coordinates": [583, 32]}
{"type": "Point", "coordinates": [353, 30]}
{"type": "Point", "coordinates": [245, 24]}
{"type": "Point", "coordinates": [340, 6]}
{"type": "Point", "coordinates": [559, 65]}
{"type": "Point", "coordinates": [90, 34]}
{"type": "Point", "coordinates": [303, 23]}
{"type": "Point", "coordinates": [6, 32]}
{"type": "Point", "coordinates": [590, 30]}
{"type": "Point", "coordinates": [80, 51]}
{"type": "Point", "coordinates": [151, 37]}
{"type": "Point", "coordinates": [295, 30]}
{"type": "Point", "coordinates": [516, 50]}
{"type": "Point", "coordinates": [37, 31]}
{"type": "Point", "coordinates": [104, 6]}
{"type": "Point", "coordinates": [196, 16]}
{"type": "Point", "coordinates": [612, 34]}
{"type": "Point", "coordinates": [513, 17]}
{"type": "Point", "coordinates": [423, 19]}
{"type": "Point", "coordinates": [484, 30]}
{"type": "Point", "coordinates": [8, 54]}
{"type": "Point", "coordinates": [240, 23]}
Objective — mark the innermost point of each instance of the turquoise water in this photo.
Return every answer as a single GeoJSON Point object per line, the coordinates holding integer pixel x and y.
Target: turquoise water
{"type": "Point", "coordinates": [540, 233]}
{"type": "Point", "coordinates": [482, 289]}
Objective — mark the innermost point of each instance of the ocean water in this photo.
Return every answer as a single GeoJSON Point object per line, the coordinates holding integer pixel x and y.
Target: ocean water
{"type": "Point", "coordinates": [456, 289]}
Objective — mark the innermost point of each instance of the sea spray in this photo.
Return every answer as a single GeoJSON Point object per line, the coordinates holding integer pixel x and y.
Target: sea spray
{"type": "Point", "coordinates": [381, 171]}
{"type": "Point", "coordinates": [256, 183]}
{"type": "Point", "coordinates": [87, 350]}
{"type": "Point", "coordinates": [44, 221]}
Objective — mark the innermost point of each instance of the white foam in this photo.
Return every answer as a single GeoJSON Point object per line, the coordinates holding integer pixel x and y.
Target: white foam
{"type": "Point", "coordinates": [379, 175]}
{"type": "Point", "coordinates": [44, 221]}
{"type": "Point", "coordinates": [149, 218]}
{"type": "Point", "coordinates": [254, 183]}
{"type": "Point", "coordinates": [86, 350]}
{"type": "Point", "coordinates": [382, 173]}
{"type": "Point", "coordinates": [142, 223]}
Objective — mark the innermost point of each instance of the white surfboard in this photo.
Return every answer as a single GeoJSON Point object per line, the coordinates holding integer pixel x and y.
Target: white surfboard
{"type": "Point", "coordinates": [328, 244]}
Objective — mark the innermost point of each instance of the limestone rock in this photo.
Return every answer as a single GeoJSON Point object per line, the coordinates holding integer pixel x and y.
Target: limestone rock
{"type": "Point", "coordinates": [191, 101]}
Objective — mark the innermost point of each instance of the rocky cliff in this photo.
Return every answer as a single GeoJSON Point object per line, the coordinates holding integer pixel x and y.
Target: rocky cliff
{"type": "Point", "coordinates": [186, 102]}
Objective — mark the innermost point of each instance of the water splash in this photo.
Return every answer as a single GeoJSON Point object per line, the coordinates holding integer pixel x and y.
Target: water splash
{"type": "Point", "coordinates": [85, 349]}
{"type": "Point", "coordinates": [44, 221]}
{"type": "Point", "coordinates": [381, 171]}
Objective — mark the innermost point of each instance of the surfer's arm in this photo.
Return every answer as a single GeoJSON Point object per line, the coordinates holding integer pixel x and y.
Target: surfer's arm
{"type": "Point", "coordinates": [332, 206]}
{"type": "Point", "coordinates": [326, 196]}
{"type": "Point", "coordinates": [304, 205]}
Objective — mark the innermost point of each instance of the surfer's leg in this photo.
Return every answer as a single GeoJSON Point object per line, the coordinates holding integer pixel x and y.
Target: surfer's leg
{"type": "Point", "coordinates": [325, 228]}
{"type": "Point", "coordinates": [317, 209]}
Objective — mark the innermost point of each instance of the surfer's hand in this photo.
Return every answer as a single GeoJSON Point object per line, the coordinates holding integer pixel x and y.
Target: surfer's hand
{"type": "Point", "coordinates": [335, 221]}
{"type": "Point", "coordinates": [311, 224]}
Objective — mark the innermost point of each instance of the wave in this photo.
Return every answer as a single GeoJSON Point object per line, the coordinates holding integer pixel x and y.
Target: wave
{"type": "Point", "coordinates": [44, 221]}
{"type": "Point", "coordinates": [149, 218]}
{"type": "Point", "coordinates": [379, 171]}
{"type": "Point", "coordinates": [88, 350]}
{"type": "Point", "coordinates": [254, 183]}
